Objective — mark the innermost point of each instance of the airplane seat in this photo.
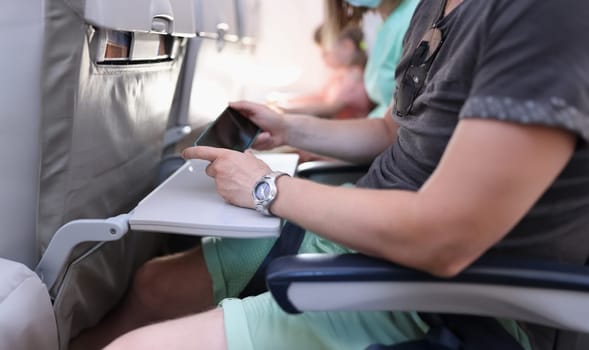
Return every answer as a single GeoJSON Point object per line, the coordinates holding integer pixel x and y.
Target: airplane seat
{"type": "Point", "coordinates": [92, 87]}
{"type": "Point", "coordinates": [545, 294]}
{"type": "Point", "coordinates": [21, 291]}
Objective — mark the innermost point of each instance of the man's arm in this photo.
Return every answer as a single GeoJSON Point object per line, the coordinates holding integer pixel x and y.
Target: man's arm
{"type": "Point", "coordinates": [358, 140]}
{"type": "Point", "coordinates": [491, 174]}
{"type": "Point", "coordinates": [320, 109]}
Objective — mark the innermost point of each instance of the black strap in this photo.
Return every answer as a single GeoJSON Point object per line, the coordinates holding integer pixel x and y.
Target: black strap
{"type": "Point", "coordinates": [437, 338]}
{"type": "Point", "coordinates": [458, 332]}
{"type": "Point", "coordinates": [475, 332]}
{"type": "Point", "coordinates": [289, 242]}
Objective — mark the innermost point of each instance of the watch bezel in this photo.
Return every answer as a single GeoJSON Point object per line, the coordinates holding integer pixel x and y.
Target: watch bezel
{"type": "Point", "coordinates": [256, 189]}
{"type": "Point", "coordinates": [263, 205]}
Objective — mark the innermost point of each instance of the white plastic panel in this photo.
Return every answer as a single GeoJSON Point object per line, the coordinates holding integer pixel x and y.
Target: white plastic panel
{"type": "Point", "coordinates": [174, 17]}
{"type": "Point", "coordinates": [188, 202]}
{"type": "Point", "coordinates": [559, 309]}
{"type": "Point", "coordinates": [21, 28]}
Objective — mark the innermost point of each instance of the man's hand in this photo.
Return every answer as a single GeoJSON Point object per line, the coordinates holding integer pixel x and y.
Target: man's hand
{"type": "Point", "coordinates": [273, 124]}
{"type": "Point", "coordinates": [235, 173]}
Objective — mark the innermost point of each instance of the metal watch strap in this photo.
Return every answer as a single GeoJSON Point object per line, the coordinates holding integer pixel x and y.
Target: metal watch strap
{"type": "Point", "coordinates": [263, 206]}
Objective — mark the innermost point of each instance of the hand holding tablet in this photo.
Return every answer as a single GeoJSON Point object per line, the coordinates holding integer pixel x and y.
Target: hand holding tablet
{"type": "Point", "coordinates": [230, 130]}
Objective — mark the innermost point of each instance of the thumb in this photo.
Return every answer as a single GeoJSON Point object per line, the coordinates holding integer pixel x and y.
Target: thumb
{"type": "Point", "coordinates": [263, 141]}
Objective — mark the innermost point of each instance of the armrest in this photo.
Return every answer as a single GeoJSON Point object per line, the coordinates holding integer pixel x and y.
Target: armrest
{"type": "Point", "coordinates": [554, 295]}
{"type": "Point", "coordinates": [70, 235]}
{"type": "Point", "coordinates": [331, 171]}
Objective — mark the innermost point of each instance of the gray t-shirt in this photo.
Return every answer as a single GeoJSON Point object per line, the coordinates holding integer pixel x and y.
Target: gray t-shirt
{"type": "Point", "coordinates": [522, 61]}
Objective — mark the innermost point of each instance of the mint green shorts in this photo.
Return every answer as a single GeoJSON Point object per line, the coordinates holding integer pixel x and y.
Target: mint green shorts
{"type": "Point", "coordinates": [259, 323]}
{"type": "Point", "coordinates": [232, 262]}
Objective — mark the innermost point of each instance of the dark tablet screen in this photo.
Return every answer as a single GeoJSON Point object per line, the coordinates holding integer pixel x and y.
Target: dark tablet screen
{"type": "Point", "coordinates": [230, 130]}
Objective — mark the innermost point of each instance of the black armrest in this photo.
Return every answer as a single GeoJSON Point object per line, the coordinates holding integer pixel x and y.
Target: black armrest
{"type": "Point", "coordinates": [554, 295]}
{"type": "Point", "coordinates": [331, 172]}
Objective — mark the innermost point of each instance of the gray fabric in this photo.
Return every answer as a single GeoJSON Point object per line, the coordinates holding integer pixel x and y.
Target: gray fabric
{"type": "Point", "coordinates": [26, 315]}
{"type": "Point", "coordinates": [97, 280]}
{"type": "Point", "coordinates": [102, 127]}
{"type": "Point", "coordinates": [101, 142]}
{"type": "Point", "coordinates": [519, 61]}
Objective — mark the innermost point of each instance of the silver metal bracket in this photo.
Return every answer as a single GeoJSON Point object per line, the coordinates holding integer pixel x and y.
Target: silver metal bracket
{"type": "Point", "coordinates": [73, 233]}
{"type": "Point", "coordinates": [222, 37]}
{"type": "Point", "coordinates": [176, 134]}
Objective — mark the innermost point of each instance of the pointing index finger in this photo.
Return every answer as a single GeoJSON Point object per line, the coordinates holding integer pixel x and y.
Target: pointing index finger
{"type": "Point", "coordinates": [203, 152]}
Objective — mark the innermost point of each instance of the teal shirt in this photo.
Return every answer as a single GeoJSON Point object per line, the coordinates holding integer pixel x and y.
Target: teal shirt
{"type": "Point", "coordinates": [379, 75]}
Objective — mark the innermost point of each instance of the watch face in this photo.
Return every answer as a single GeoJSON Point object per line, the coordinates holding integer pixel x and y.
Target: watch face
{"type": "Point", "coordinates": [262, 191]}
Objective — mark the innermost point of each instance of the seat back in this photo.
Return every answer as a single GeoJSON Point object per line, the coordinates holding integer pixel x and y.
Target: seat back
{"type": "Point", "coordinates": [107, 88]}
{"type": "Point", "coordinates": [103, 122]}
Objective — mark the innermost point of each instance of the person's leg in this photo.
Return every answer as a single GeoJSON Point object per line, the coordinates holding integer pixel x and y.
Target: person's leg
{"type": "Point", "coordinates": [180, 284]}
{"type": "Point", "coordinates": [258, 323]}
{"type": "Point", "coordinates": [163, 288]}
{"type": "Point", "coordinates": [202, 331]}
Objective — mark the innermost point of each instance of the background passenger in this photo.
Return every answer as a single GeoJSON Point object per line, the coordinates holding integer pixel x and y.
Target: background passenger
{"type": "Point", "coordinates": [341, 19]}
{"type": "Point", "coordinates": [379, 74]}
{"type": "Point", "coordinates": [343, 96]}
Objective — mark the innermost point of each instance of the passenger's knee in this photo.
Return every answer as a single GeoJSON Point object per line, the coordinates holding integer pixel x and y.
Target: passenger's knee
{"type": "Point", "coordinates": [150, 285]}
{"type": "Point", "coordinates": [171, 286]}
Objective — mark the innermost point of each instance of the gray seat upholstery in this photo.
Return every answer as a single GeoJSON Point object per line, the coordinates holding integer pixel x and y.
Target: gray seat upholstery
{"type": "Point", "coordinates": [23, 294]}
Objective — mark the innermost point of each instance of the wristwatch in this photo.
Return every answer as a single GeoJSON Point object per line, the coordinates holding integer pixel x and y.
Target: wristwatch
{"type": "Point", "coordinates": [265, 192]}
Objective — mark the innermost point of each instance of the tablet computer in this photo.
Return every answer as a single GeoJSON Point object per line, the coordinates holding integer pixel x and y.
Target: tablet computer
{"type": "Point", "coordinates": [230, 130]}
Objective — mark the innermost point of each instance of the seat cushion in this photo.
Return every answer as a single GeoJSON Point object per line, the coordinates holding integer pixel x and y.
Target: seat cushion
{"type": "Point", "coordinates": [27, 321]}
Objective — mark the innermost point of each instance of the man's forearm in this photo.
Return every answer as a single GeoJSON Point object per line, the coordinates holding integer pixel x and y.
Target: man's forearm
{"type": "Point", "coordinates": [466, 206]}
{"type": "Point", "coordinates": [380, 223]}
{"type": "Point", "coordinates": [357, 141]}
{"type": "Point", "coordinates": [319, 109]}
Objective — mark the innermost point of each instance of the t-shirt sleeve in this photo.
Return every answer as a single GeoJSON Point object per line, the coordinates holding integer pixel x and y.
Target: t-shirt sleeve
{"type": "Point", "coordinates": [533, 66]}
